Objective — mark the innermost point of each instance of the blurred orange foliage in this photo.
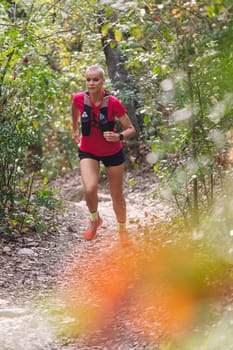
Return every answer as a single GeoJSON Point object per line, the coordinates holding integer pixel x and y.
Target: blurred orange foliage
{"type": "Point", "coordinates": [160, 288]}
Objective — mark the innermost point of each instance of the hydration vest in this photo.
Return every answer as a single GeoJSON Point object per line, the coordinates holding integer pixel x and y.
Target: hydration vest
{"type": "Point", "coordinates": [89, 119]}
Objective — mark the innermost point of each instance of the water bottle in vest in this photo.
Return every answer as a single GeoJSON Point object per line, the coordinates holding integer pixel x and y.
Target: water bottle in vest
{"type": "Point", "coordinates": [86, 125]}
{"type": "Point", "coordinates": [103, 122]}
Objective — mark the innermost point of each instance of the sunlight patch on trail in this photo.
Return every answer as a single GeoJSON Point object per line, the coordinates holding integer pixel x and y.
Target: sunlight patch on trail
{"type": "Point", "coordinates": [23, 328]}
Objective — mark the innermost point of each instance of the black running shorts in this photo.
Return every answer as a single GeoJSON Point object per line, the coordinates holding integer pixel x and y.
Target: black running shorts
{"type": "Point", "coordinates": [113, 160]}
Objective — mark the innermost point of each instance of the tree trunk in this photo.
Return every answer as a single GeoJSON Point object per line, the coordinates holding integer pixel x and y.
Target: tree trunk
{"type": "Point", "coordinates": [122, 81]}
{"type": "Point", "coordinates": [119, 75]}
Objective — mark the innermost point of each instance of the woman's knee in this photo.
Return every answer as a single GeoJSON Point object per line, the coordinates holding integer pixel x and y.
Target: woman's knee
{"type": "Point", "coordinates": [91, 190]}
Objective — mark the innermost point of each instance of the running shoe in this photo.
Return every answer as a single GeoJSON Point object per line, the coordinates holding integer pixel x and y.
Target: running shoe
{"type": "Point", "coordinates": [90, 232]}
{"type": "Point", "coordinates": [125, 238]}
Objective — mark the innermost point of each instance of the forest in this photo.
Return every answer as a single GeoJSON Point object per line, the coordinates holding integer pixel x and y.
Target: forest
{"type": "Point", "coordinates": [171, 65]}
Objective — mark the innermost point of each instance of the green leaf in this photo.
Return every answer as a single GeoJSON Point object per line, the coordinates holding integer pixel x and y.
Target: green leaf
{"type": "Point", "coordinates": [136, 32]}
{"type": "Point", "coordinates": [35, 123]}
{"type": "Point", "coordinates": [132, 182]}
{"type": "Point", "coordinates": [112, 45]}
{"type": "Point", "coordinates": [45, 180]}
{"type": "Point", "coordinates": [13, 32]}
{"type": "Point", "coordinates": [105, 28]}
{"type": "Point", "coordinates": [156, 166]}
{"type": "Point", "coordinates": [109, 11]}
{"type": "Point", "coordinates": [210, 11]}
{"type": "Point", "coordinates": [154, 147]}
{"type": "Point", "coordinates": [118, 35]}
{"type": "Point", "coordinates": [146, 119]}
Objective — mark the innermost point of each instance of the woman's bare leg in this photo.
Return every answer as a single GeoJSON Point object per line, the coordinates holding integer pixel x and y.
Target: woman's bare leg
{"type": "Point", "coordinates": [90, 176]}
{"type": "Point", "coordinates": [115, 177]}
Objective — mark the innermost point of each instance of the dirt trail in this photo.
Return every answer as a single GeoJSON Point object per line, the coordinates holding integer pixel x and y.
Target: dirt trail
{"type": "Point", "coordinates": [34, 266]}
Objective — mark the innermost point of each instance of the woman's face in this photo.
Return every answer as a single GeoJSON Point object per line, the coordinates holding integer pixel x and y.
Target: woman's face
{"type": "Point", "coordinates": [94, 81]}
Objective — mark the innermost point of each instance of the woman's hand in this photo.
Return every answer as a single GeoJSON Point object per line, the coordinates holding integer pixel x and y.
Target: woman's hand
{"type": "Point", "coordinates": [76, 137]}
{"type": "Point", "coordinates": [111, 136]}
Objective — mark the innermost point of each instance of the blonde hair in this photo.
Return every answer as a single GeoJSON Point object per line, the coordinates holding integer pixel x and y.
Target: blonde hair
{"type": "Point", "coordinates": [97, 68]}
